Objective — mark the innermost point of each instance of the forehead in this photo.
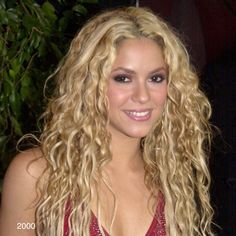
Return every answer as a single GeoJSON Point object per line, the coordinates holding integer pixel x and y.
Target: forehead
{"type": "Point", "coordinates": [140, 52]}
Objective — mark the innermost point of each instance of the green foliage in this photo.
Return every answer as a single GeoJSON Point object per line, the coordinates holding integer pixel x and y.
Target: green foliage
{"type": "Point", "coordinates": [33, 38]}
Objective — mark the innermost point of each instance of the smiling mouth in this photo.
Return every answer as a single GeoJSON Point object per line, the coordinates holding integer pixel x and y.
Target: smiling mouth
{"type": "Point", "coordinates": [139, 115]}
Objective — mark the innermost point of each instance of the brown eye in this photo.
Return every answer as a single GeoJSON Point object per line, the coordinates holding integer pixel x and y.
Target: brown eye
{"type": "Point", "coordinates": [121, 79]}
{"type": "Point", "coordinates": [157, 78]}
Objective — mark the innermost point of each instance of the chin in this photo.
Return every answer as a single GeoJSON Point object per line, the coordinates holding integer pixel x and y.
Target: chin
{"type": "Point", "coordinates": [137, 134]}
{"type": "Point", "coordinates": [130, 131]}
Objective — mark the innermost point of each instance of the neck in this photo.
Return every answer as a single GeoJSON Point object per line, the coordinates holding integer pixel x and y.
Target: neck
{"type": "Point", "coordinates": [126, 153]}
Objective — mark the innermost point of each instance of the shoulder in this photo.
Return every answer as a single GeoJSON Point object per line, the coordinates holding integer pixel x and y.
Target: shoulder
{"type": "Point", "coordinates": [29, 164]}
{"type": "Point", "coordinates": [24, 170]}
{"type": "Point", "coordinates": [19, 193]}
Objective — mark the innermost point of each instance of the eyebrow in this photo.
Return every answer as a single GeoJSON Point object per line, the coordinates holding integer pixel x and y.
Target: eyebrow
{"type": "Point", "coordinates": [129, 71]}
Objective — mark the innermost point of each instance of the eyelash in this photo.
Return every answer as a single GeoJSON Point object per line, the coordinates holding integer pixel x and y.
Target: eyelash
{"type": "Point", "coordinates": [159, 79]}
{"type": "Point", "coordinates": [122, 78]}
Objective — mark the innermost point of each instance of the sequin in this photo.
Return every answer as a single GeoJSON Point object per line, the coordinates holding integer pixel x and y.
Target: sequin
{"type": "Point", "coordinates": [157, 227]}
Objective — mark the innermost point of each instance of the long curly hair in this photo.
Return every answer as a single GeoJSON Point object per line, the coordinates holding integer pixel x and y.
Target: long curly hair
{"type": "Point", "coordinates": [76, 144]}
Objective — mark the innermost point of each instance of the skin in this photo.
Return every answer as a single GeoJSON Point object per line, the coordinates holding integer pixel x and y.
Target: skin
{"type": "Point", "coordinates": [137, 82]}
{"type": "Point", "coordinates": [141, 61]}
{"type": "Point", "coordinates": [19, 193]}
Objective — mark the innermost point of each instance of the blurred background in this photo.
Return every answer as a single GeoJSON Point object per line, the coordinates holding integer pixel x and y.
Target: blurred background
{"type": "Point", "coordinates": [35, 35]}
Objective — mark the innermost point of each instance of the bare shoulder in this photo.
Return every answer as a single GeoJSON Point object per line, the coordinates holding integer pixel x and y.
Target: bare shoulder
{"type": "Point", "coordinates": [29, 163]}
{"type": "Point", "coordinates": [19, 192]}
{"type": "Point", "coordinates": [25, 169]}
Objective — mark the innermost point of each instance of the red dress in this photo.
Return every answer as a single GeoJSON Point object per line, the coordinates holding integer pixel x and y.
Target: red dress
{"type": "Point", "coordinates": [157, 227]}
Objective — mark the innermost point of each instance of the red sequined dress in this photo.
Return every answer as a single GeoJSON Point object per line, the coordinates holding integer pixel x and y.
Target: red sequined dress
{"type": "Point", "coordinates": [157, 227]}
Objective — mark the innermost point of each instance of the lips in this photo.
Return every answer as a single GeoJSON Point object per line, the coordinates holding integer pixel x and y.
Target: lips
{"type": "Point", "coordinates": [139, 115]}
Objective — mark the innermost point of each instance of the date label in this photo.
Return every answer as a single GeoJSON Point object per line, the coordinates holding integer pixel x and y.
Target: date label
{"type": "Point", "coordinates": [24, 225]}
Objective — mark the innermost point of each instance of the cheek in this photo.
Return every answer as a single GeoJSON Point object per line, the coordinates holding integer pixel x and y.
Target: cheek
{"type": "Point", "coordinates": [160, 96]}
{"type": "Point", "coordinates": [116, 97]}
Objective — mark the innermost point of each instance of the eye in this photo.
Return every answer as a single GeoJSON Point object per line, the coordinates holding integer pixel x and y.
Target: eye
{"type": "Point", "coordinates": [157, 78]}
{"type": "Point", "coordinates": [121, 79]}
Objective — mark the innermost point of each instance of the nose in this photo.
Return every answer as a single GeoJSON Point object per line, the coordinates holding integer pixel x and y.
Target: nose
{"type": "Point", "coordinates": [141, 93]}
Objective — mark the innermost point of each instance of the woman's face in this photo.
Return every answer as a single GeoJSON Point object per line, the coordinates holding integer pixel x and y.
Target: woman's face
{"type": "Point", "coordinates": [137, 88]}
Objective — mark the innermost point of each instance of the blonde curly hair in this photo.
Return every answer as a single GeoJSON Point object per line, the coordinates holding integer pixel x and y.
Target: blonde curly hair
{"type": "Point", "coordinates": [76, 143]}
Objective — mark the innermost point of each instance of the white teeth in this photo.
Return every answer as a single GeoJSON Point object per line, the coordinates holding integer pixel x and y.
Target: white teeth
{"type": "Point", "coordinates": [134, 113]}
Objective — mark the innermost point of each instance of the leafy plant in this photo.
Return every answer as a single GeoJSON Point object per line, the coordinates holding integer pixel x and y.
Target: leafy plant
{"type": "Point", "coordinates": [34, 36]}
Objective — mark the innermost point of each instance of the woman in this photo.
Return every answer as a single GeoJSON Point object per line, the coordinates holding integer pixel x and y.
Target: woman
{"type": "Point", "coordinates": [123, 151]}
